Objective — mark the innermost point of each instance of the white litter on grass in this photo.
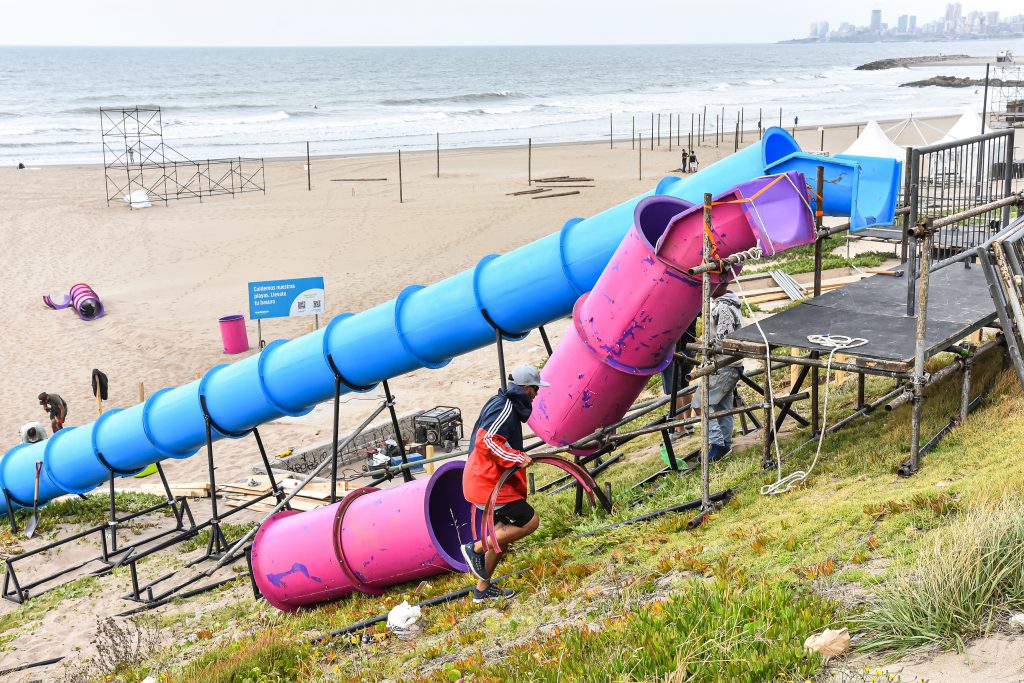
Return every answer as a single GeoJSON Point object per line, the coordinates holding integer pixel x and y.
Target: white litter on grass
{"type": "Point", "coordinates": [403, 618]}
{"type": "Point", "coordinates": [1017, 620]}
{"type": "Point", "coordinates": [138, 200]}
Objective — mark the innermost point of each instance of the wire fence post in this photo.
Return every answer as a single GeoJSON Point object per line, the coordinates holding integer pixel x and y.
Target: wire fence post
{"type": "Point", "coordinates": [529, 161]}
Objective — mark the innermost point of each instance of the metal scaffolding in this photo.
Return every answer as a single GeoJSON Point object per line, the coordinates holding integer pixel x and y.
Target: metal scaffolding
{"type": "Point", "coordinates": [135, 157]}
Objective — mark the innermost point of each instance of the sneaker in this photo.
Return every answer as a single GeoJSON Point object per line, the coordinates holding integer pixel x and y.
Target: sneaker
{"type": "Point", "coordinates": [475, 561]}
{"type": "Point", "coordinates": [718, 452]}
{"type": "Point", "coordinates": [492, 593]}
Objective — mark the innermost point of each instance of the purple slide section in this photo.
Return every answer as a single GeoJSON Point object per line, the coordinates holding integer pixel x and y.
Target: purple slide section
{"type": "Point", "coordinates": [83, 299]}
{"type": "Point", "coordinates": [626, 328]}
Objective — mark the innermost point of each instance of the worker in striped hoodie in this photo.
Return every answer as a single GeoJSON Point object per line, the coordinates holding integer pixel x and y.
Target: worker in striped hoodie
{"type": "Point", "coordinates": [496, 444]}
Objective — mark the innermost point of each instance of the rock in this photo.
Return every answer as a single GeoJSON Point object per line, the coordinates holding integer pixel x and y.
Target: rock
{"type": "Point", "coordinates": [897, 62]}
{"type": "Point", "coordinates": [954, 82]}
{"type": "Point", "coordinates": [829, 643]}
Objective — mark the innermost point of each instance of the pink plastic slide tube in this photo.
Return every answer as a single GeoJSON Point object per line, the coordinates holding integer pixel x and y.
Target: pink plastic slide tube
{"type": "Point", "coordinates": [370, 540]}
{"type": "Point", "coordinates": [626, 328]}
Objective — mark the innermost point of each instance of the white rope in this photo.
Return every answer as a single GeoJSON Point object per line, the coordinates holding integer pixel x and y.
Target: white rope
{"type": "Point", "coordinates": [767, 365]}
{"type": "Point", "coordinates": [782, 484]}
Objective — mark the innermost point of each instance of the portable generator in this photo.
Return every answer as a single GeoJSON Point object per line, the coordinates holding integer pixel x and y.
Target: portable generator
{"type": "Point", "coordinates": [439, 427]}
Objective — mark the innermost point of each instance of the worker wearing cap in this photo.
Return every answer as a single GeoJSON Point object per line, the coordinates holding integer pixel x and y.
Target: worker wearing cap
{"type": "Point", "coordinates": [496, 444]}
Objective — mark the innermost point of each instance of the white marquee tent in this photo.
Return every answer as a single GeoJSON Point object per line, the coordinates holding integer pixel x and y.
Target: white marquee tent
{"type": "Point", "coordinates": [873, 142]}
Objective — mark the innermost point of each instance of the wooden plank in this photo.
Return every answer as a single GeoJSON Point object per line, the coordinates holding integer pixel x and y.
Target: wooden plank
{"type": "Point", "coordinates": [557, 194]}
{"type": "Point", "coordinates": [189, 490]}
{"type": "Point", "coordinates": [534, 191]}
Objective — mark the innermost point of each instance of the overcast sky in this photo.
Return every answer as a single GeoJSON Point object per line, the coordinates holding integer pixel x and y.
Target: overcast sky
{"type": "Point", "coordinates": [439, 22]}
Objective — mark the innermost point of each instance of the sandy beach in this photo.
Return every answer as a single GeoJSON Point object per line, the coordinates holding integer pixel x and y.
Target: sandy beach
{"type": "Point", "coordinates": [166, 274]}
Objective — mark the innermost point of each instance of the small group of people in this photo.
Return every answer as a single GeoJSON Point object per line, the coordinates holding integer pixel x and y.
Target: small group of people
{"type": "Point", "coordinates": [688, 164]}
{"type": "Point", "coordinates": [496, 442]}
{"type": "Point", "coordinates": [56, 409]}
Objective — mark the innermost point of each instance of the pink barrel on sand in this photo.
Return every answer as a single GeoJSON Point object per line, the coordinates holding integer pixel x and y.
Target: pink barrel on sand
{"type": "Point", "coordinates": [233, 334]}
{"type": "Point", "coordinates": [372, 539]}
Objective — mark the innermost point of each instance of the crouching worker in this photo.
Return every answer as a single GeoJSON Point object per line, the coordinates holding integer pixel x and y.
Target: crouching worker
{"type": "Point", "coordinates": [496, 445]}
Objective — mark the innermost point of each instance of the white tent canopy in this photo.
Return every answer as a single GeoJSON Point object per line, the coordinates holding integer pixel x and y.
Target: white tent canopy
{"type": "Point", "coordinates": [967, 126]}
{"type": "Point", "coordinates": [873, 142]}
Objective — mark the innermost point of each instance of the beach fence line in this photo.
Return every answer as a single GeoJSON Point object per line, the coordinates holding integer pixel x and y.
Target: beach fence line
{"type": "Point", "coordinates": [702, 133]}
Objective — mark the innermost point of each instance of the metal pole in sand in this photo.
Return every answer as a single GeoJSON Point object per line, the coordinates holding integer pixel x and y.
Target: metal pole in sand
{"type": "Point", "coordinates": [632, 135]}
{"type": "Point", "coordinates": [742, 117]}
{"type": "Point", "coordinates": [703, 126]}
{"type": "Point", "coordinates": [529, 161]}
{"type": "Point", "coordinates": [640, 158]}
{"type": "Point", "coordinates": [437, 152]}
{"type": "Point", "coordinates": [670, 132]}
{"type": "Point", "coordinates": [652, 131]}
{"type": "Point", "coordinates": [400, 197]}
{"type": "Point", "coordinates": [309, 181]}
{"type": "Point", "coordinates": [718, 128]}
{"type": "Point", "coordinates": [984, 101]}
{"type": "Point", "coordinates": [611, 133]}
{"type": "Point", "coordinates": [736, 138]}
{"type": "Point", "coordinates": [780, 117]}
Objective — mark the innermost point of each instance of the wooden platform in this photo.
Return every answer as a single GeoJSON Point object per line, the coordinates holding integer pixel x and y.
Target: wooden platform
{"type": "Point", "coordinates": [875, 309]}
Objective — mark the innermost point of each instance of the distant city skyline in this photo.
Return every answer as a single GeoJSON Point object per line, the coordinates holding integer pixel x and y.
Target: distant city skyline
{"type": "Point", "coordinates": [954, 24]}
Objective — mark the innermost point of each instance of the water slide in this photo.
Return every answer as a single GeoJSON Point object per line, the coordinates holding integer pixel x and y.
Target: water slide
{"type": "Point", "coordinates": [421, 327]}
{"type": "Point", "coordinates": [626, 328]}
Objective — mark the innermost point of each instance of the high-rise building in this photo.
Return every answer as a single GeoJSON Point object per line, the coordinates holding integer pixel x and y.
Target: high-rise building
{"type": "Point", "coordinates": [876, 20]}
{"type": "Point", "coordinates": [912, 24]}
{"type": "Point", "coordinates": [903, 23]}
{"type": "Point", "coordinates": [814, 30]}
{"type": "Point", "coordinates": [823, 30]}
{"type": "Point", "coordinates": [991, 22]}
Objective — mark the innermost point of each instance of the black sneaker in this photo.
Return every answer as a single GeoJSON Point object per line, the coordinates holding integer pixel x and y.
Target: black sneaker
{"type": "Point", "coordinates": [475, 561]}
{"type": "Point", "coordinates": [718, 452]}
{"type": "Point", "coordinates": [492, 593]}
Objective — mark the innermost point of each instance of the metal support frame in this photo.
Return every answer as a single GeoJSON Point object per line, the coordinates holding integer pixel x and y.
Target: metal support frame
{"type": "Point", "coordinates": [217, 546]}
{"type": "Point", "coordinates": [110, 556]}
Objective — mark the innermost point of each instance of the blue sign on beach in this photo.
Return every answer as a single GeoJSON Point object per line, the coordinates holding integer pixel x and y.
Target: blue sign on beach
{"type": "Point", "coordinates": [285, 298]}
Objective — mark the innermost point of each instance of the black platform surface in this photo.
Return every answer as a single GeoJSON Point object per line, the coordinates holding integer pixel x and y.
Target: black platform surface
{"type": "Point", "coordinates": [875, 309]}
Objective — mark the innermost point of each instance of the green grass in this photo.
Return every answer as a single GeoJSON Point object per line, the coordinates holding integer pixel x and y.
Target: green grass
{"type": "Point", "coordinates": [777, 562]}
{"type": "Point", "coordinates": [970, 575]}
{"type": "Point", "coordinates": [717, 632]}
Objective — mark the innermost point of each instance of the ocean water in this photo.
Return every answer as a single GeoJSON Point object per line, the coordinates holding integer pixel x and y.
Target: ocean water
{"type": "Point", "coordinates": [267, 102]}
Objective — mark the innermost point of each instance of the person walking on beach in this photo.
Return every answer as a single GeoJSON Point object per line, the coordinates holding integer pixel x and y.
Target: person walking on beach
{"type": "Point", "coordinates": [495, 446]}
{"type": "Point", "coordinates": [693, 161]}
{"type": "Point", "coordinates": [726, 317]}
{"type": "Point", "coordinates": [56, 407]}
